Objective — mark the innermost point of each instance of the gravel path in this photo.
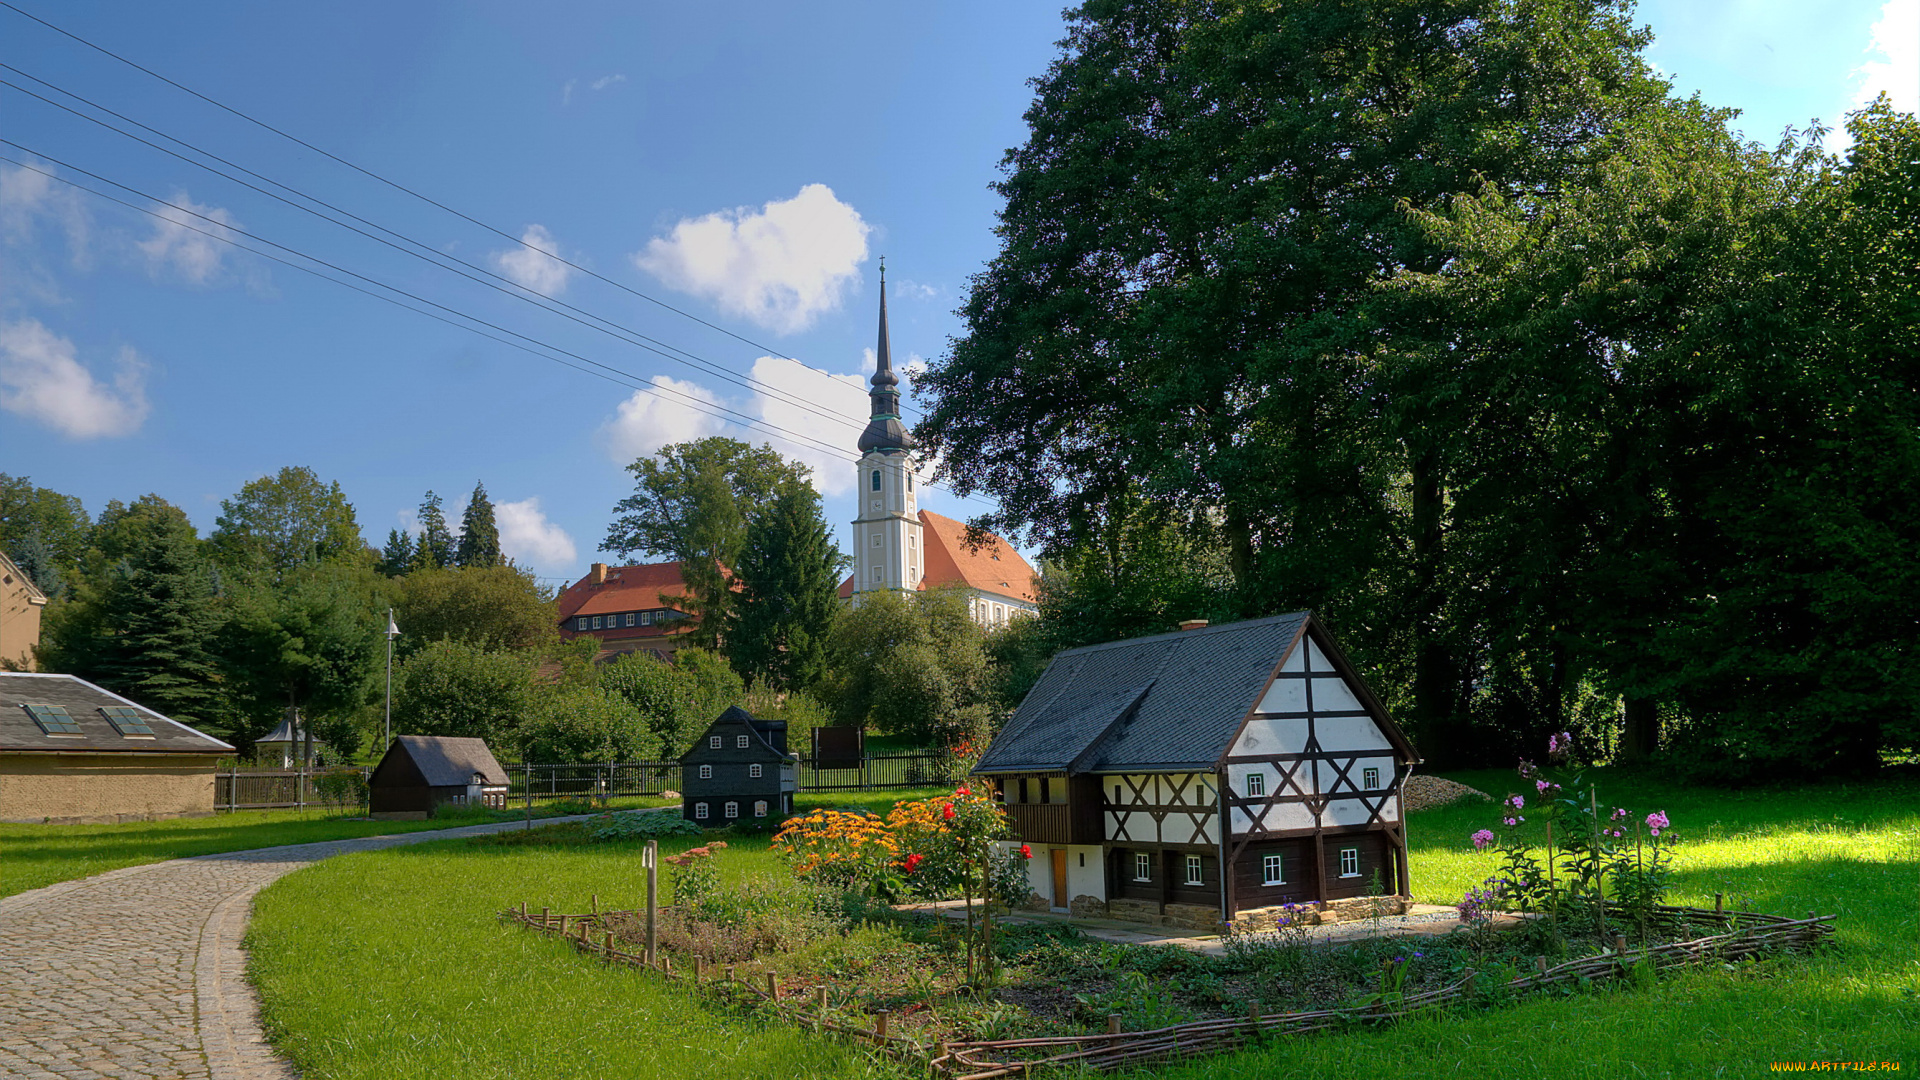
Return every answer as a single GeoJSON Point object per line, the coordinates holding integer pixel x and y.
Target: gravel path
{"type": "Point", "coordinates": [139, 972]}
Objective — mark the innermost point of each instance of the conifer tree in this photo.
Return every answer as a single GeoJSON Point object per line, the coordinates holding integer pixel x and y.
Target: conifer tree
{"type": "Point", "coordinates": [397, 557]}
{"type": "Point", "coordinates": [788, 573]}
{"type": "Point", "coordinates": [479, 536]}
{"type": "Point", "coordinates": [435, 546]}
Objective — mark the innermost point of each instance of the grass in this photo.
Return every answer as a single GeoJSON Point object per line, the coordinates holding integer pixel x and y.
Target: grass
{"type": "Point", "coordinates": [390, 964]}
{"type": "Point", "coordinates": [40, 855]}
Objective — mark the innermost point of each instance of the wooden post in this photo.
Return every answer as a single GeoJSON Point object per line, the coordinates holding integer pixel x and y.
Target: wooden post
{"type": "Point", "coordinates": [940, 1052]}
{"type": "Point", "coordinates": [651, 860]}
{"type": "Point", "coordinates": [730, 973]}
{"type": "Point", "coordinates": [1620, 943]}
{"type": "Point", "coordinates": [546, 921]}
{"type": "Point", "coordinates": [880, 1025]}
{"type": "Point", "coordinates": [819, 1008]}
{"type": "Point", "coordinates": [1113, 1023]}
{"type": "Point", "coordinates": [1471, 978]}
{"type": "Point", "coordinates": [1540, 965]}
{"type": "Point", "coordinates": [606, 946]}
{"type": "Point", "coordinates": [1719, 903]}
{"type": "Point", "coordinates": [666, 964]}
{"type": "Point", "coordinates": [596, 903]}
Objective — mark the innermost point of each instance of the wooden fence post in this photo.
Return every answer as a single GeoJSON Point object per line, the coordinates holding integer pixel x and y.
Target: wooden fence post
{"type": "Point", "coordinates": [1113, 1023]}
{"type": "Point", "coordinates": [1719, 903]}
{"type": "Point", "coordinates": [1540, 965]}
{"type": "Point", "coordinates": [819, 1008]}
{"type": "Point", "coordinates": [699, 970]}
{"type": "Point", "coordinates": [546, 920]}
{"type": "Point", "coordinates": [773, 986]}
{"type": "Point", "coordinates": [880, 1025]}
{"type": "Point", "coordinates": [651, 860]}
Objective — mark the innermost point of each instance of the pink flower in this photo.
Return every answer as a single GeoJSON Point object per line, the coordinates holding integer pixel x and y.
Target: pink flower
{"type": "Point", "coordinates": [1026, 851]}
{"type": "Point", "coordinates": [1481, 839]}
{"type": "Point", "coordinates": [1619, 812]}
{"type": "Point", "coordinates": [1518, 802]}
{"type": "Point", "coordinates": [1657, 821]}
{"type": "Point", "coordinates": [1509, 822]}
{"type": "Point", "coordinates": [963, 791]}
{"type": "Point", "coordinates": [1542, 786]}
{"type": "Point", "coordinates": [1560, 745]}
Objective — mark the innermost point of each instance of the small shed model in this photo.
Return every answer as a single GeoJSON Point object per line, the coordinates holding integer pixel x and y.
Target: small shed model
{"type": "Point", "coordinates": [739, 770]}
{"type": "Point", "coordinates": [420, 772]}
{"type": "Point", "coordinates": [71, 752]}
{"type": "Point", "coordinates": [1207, 776]}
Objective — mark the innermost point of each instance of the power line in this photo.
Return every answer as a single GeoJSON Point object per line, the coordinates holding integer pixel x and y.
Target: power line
{"type": "Point", "coordinates": [526, 343]}
{"type": "Point", "coordinates": [431, 255]}
{"type": "Point", "coordinates": [401, 187]}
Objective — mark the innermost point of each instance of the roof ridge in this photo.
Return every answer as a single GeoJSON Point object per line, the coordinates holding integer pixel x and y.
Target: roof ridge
{"type": "Point", "coordinates": [1204, 631]}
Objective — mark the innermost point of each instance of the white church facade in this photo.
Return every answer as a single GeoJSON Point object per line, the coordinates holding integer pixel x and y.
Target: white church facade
{"type": "Point", "coordinates": [899, 547]}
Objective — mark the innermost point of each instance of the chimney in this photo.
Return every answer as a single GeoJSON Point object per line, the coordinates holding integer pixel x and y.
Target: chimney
{"type": "Point", "coordinates": [1193, 624]}
{"type": "Point", "coordinates": [597, 573]}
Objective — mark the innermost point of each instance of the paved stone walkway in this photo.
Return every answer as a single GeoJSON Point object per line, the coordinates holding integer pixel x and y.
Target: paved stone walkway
{"type": "Point", "coordinates": [139, 972]}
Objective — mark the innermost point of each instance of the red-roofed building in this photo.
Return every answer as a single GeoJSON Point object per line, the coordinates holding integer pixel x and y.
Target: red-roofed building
{"type": "Point", "coordinates": [628, 608]}
{"type": "Point", "coordinates": [999, 579]}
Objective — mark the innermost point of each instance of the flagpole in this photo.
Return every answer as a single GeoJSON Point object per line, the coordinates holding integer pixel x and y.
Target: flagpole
{"type": "Point", "coordinates": [393, 631]}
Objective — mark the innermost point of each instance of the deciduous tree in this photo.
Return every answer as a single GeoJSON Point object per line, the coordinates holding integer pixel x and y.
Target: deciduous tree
{"type": "Point", "coordinates": [284, 521]}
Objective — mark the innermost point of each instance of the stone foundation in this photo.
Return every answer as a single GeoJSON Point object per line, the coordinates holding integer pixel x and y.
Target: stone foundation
{"type": "Point", "coordinates": [1353, 909]}
{"type": "Point", "coordinates": [1140, 911]}
{"type": "Point", "coordinates": [1087, 906]}
{"type": "Point", "coordinates": [1202, 917]}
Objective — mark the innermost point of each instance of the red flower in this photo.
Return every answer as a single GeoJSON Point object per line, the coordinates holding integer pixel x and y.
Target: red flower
{"type": "Point", "coordinates": [948, 812]}
{"type": "Point", "coordinates": [963, 791]}
{"type": "Point", "coordinates": [913, 862]}
{"type": "Point", "coordinates": [1026, 851]}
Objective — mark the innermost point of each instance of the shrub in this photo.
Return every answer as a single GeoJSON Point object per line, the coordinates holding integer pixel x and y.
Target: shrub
{"type": "Point", "coordinates": [341, 788]}
{"type": "Point", "coordinates": [646, 825]}
{"type": "Point", "coordinates": [584, 723]}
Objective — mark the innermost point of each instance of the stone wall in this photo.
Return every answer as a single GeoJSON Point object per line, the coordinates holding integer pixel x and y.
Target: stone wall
{"type": "Point", "coordinates": [74, 788]}
{"type": "Point", "coordinates": [1088, 906]}
{"type": "Point", "coordinates": [1354, 909]}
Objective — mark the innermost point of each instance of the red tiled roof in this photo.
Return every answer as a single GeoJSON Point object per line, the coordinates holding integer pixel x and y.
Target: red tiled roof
{"type": "Point", "coordinates": [993, 568]}
{"type": "Point", "coordinates": [627, 588]}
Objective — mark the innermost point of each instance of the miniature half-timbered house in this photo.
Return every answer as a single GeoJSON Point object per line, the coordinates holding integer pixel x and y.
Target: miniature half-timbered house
{"type": "Point", "coordinates": [739, 771]}
{"type": "Point", "coordinates": [420, 772]}
{"type": "Point", "coordinates": [1210, 775]}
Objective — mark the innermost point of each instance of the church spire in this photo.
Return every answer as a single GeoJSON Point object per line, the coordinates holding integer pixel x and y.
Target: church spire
{"type": "Point", "coordinates": [884, 430]}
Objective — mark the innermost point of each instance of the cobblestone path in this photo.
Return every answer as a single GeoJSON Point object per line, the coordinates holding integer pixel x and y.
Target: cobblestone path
{"type": "Point", "coordinates": [139, 972]}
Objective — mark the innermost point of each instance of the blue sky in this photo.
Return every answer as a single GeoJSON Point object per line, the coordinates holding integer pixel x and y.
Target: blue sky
{"type": "Point", "coordinates": [745, 163]}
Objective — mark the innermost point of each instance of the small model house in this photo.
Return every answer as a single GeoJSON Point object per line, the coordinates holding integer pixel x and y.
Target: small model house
{"type": "Point", "coordinates": [282, 747]}
{"type": "Point", "coordinates": [738, 770]}
{"type": "Point", "coordinates": [420, 772]}
{"type": "Point", "coordinates": [1206, 776]}
{"type": "Point", "coordinates": [73, 752]}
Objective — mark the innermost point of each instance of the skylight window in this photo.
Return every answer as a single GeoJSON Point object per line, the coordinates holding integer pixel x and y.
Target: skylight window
{"type": "Point", "coordinates": [125, 720]}
{"type": "Point", "coordinates": [54, 719]}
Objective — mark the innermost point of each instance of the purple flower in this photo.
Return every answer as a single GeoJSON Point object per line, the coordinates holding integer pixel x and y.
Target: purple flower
{"type": "Point", "coordinates": [1518, 802]}
{"type": "Point", "coordinates": [1619, 812]}
{"type": "Point", "coordinates": [1657, 821]}
{"type": "Point", "coordinates": [1560, 745]}
{"type": "Point", "coordinates": [1481, 839]}
{"type": "Point", "coordinates": [1544, 786]}
{"type": "Point", "coordinates": [1526, 769]}
{"type": "Point", "coordinates": [1508, 822]}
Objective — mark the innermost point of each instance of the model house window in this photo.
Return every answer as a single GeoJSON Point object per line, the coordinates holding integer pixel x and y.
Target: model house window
{"type": "Point", "coordinates": [1256, 783]}
{"type": "Point", "coordinates": [1193, 871]}
{"type": "Point", "coordinates": [754, 771]}
{"type": "Point", "coordinates": [713, 742]}
{"type": "Point", "coordinates": [596, 622]}
{"type": "Point", "coordinates": [1142, 866]}
{"type": "Point", "coordinates": [1271, 872]}
{"type": "Point", "coordinates": [631, 617]}
{"type": "Point", "coordinates": [740, 741]}
{"type": "Point", "coordinates": [580, 623]}
{"type": "Point", "coordinates": [1370, 778]}
{"type": "Point", "coordinates": [646, 618]}
{"type": "Point", "coordinates": [733, 809]}
{"type": "Point", "coordinates": [760, 808]}
{"type": "Point", "coordinates": [876, 479]}
{"type": "Point", "coordinates": [1349, 862]}
{"type": "Point", "coordinates": [700, 809]}
{"type": "Point", "coordinates": [706, 772]}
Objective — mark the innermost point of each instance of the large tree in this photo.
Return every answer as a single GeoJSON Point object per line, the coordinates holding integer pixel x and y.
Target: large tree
{"type": "Point", "coordinates": [308, 647]}
{"type": "Point", "coordinates": [450, 688]}
{"type": "Point", "coordinates": [43, 531]}
{"type": "Point", "coordinates": [495, 608]}
{"type": "Point", "coordinates": [142, 617]}
{"type": "Point", "coordinates": [479, 536]}
{"type": "Point", "coordinates": [915, 665]}
{"type": "Point", "coordinates": [1187, 307]}
{"type": "Point", "coordinates": [287, 520]}
{"type": "Point", "coordinates": [675, 700]}
{"type": "Point", "coordinates": [788, 574]}
{"type": "Point", "coordinates": [436, 544]}
{"type": "Point", "coordinates": [691, 503]}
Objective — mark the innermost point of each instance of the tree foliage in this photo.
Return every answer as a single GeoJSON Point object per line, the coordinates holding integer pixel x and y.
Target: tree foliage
{"type": "Point", "coordinates": [435, 547]}
{"type": "Point", "coordinates": [455, 688]}
{"type": "Point", "coordinates": [675, 701]}
{"type": "Point", "coordinates": [44, 532]}
{"type": "Point", "coordinates": [914, 665]}
{"type": "Point", "coordinates": [788, 576]}
{"type": "Point", "coordinates": [310, 644]}
{"type": "Point", "coordinates": [584, 723]}
{"type": "Point", "coordinates": [479, 545]}
{"type": "Point", "coordinates": [287, 520]}
{"type": "Point", "coordinates": [496, 607]}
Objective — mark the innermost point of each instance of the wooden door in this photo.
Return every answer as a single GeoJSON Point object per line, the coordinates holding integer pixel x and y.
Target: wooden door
{"type": "Point", "coordinates": [1061, 901]}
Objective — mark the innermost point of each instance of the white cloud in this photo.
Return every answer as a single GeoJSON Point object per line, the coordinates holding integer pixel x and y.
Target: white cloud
{"type": "Point", "coordinates": [869, 361]}
{"type": "Point", "coordinates": [1894, 67]}
{"type": "Point", "coordinates": [527, 536]}
{"type": "Point", "coordinates": [645, 422]}
{"type": "Point", "coordinates": [537, 270]}
{"type": "Point", "coordinates": [843, 397]}
{"type": "Point", "coordinates": [909, 289]}
{"type": "Point", "coordinates": [177, 246]}
{"type": "Point", "coordinates": [780, 267]}
{"type": "Point", "coordinates": [566, 91]}
{"type": "Point", "coordinates": [608, 80]}
{"type": "Point", "coordinates": [42, 378]}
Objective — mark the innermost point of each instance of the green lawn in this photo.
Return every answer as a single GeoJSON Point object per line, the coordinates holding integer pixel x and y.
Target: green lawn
{"type": "Point", "coordinates": [32, 856]}
{"type": "Point", "coordinates": [390, 964]}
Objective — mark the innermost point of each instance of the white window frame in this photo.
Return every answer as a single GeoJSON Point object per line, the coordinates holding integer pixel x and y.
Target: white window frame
{"type": "Point", "coordinates": [1370, 777]}
{"type": "Point", "coordinates": [733, 810]}
{"type": "Point", "coordinates": [754, 770]}
{"type": "Point", "coordinates": [742, 741]}
{"type": "Point", "coordinates": [630, 617]}
{"type": "Point", "coordinates": [760, 808]}
{"type": "Point", "coordinates": [713, 742]}
{"type": "Point", "coordinates": [580, 623]}
{"type": "Point", "coordinates": [596, 622]}
{"type": "Point", "coordinates": [1196, 873]}
{"type": "Point", "coordinates": [1256, 784]}
{"type": "Point", "coordinates": [876, 480]}
{"type": "Point", "coordinates": [1349, 857]}
{"type": "Point", "coordinates": [646, 618]}
{"type": "Point", "coordinates": [1142, 866]}
{"type": "Point", "coordinates": [706, 772]}
{"type": "Point", "coordinates": [700, 809]}
{"type": "Point", "coordinates": [1273, 870]}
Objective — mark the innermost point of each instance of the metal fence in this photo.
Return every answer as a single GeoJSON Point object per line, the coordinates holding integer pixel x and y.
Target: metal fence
{"type": "Point", "coordinates": [238, 788]}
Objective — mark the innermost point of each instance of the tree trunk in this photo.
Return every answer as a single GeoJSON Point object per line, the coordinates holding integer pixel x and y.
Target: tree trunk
{"type": "Point", "coordinates": [1240, 556]}
{"type": "Point", "coordinates": [1640, 730]}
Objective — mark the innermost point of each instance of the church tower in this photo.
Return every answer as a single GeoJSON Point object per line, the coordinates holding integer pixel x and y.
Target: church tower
{"type": "Point", "coordinates": [891, 553]}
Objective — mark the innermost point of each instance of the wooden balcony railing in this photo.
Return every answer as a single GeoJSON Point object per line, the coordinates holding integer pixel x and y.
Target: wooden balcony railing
{"type": "Point", "coordinates": [1055, 823]}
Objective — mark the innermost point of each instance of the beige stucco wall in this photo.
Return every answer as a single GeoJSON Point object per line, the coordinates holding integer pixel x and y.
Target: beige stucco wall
{"type": "Point", "coordinates": [19, 626]}
{"type": "Point", "coordinates": [103, 787]}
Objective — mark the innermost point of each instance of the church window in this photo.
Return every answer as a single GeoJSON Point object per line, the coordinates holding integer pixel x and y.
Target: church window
{"type": "Point", "coordinates": [876, 539]}
{"type": "Point", "coordinates": [909, 480]}
{"type": "Point", "coordinates": [876, 573]}
{"type": "Point", "coordinates": [876, 479]}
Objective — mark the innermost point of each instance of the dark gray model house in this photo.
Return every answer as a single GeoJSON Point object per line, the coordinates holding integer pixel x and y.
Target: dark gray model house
{"type": "Point", "coordinates": [420, 772]}
{"type": "Point", "coordinates": [1205, 776]}
{"type": "Point", "coordinates": [738, 770]}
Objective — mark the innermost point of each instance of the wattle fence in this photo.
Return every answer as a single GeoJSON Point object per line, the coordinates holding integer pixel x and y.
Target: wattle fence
{"type": "Point", "coordinates": [248, 788]}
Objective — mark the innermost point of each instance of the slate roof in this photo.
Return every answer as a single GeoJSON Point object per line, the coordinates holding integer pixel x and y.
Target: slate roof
{"type": "Point", "coordinates": [1166, 702]}
{"type": "Point", "coordinates": [83, 701]}
{"type": "Point", "coordinates": [763, 733]}
{"type": "Point", "coordinates": [446, 761]}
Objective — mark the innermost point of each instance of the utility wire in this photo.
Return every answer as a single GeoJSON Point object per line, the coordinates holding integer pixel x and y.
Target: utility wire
{"type": "Point", "coordinates": [400, 187]}
{"type": "Point", "coordinates": [224, 233]}
{"type": "Point", "coordinates": [431, 256]}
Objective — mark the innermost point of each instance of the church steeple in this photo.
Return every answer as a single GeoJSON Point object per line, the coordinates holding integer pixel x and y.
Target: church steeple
{"type": "Point", "coordinates": [884, 430]}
